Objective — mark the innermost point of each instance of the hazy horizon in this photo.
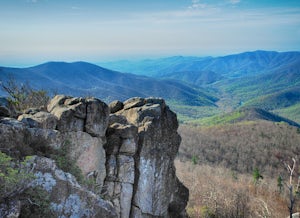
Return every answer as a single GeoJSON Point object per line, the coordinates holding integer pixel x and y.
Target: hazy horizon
{"type": "Point", "coordinates": [38, 31]}
{"type": "Point", "coordinates": [113, 60]}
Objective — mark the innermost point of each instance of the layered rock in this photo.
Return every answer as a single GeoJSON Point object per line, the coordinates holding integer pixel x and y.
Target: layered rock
{"type": "Point", "coordinates": [129, 154]}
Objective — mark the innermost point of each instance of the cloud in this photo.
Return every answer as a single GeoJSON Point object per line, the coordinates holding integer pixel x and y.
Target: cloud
{"type": "Point", "coordinates": [75, 8]}
{"type": "Point", "coordinates": [197, 5]}
{"type": "Point", "coordinates": [235, 1]}
{"type": "Point", "coordinates": [36, 1]}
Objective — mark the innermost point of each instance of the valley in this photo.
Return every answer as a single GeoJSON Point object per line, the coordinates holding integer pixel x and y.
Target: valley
{"type": "Point", "coordinates": [194, 87]}
{"type": "Point", "coordinates": [263, 79]}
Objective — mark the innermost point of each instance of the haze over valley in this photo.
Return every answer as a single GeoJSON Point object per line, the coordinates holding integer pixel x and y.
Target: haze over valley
{"type": "Point", "coordinates": [194, 87]}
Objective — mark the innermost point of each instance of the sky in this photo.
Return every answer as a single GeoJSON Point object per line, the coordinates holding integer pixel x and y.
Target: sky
{"type": "Point", "coordinates": [37, 31]}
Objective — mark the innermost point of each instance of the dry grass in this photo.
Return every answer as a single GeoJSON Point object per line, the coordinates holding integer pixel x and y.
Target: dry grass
{"type": "Point", "coordinates": [216, 164]}
{"type": "Point", "coordinates": [220, 192]}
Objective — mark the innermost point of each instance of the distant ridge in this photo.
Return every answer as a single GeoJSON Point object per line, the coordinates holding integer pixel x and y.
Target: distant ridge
{"type": "Point", "coordinates": [247, 114]}
{"type": "Point", "coordinates": [235, 65]}
{"type": "Point", "coordinates": [82, 79]}
{"type": "Point", "coordinates": [260, 114]}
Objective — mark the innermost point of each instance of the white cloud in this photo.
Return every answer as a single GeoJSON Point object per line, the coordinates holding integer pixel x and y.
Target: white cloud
{"type": "Point", "coordinates": [75, 8]}
{"type": "Point", "coordinates": [197, 5]}
{"type": "Point", "coordinates": [235, 1]}
{"type": "Point", "coordinates": [36, 1]}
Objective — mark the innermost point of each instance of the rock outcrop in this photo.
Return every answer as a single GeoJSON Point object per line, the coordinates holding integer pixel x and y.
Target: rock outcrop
{"type": "Point", "coordinates": [127, 149]}
{"type": "Point", "coordinates": [157, 188]}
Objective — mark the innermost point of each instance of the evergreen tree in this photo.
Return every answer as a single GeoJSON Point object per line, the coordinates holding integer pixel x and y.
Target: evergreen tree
{"type": "Point", "coordinates": [256, 175]}
{"type": "Point", "coordinates": [280, 183]}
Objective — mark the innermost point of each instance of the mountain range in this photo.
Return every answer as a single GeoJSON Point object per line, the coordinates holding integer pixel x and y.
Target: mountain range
{"type": "Point", "coordinates": [84, 79]}
{"type": "Point", "coordinates": [193, 86]}
{"type": "Point", "coordinates": [236, 65]}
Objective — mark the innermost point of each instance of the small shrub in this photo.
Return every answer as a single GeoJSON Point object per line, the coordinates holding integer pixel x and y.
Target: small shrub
{"type": "Point", "coordinates": [35, 203]}
{"type": "Point", "coordinates": [23, 96]}
{"type": "Point", "coordinates": [66, 163]}
{"type": "Point", "coordinates": [14, 176]}
{"type": "Point", "coordinates": [280, 183]}
{"type": "Point", "coordinates": [194, 159]}
{"type": "Point", "coordinates": [207, 213]}
{"type": "Point", "coordinates": [256, 175]}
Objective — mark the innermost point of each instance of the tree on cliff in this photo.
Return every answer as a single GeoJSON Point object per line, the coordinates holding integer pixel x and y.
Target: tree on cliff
{"type": "Point", "coordinates": [23, 96]}
{"type": "Point", "coordinates": [292, 186]}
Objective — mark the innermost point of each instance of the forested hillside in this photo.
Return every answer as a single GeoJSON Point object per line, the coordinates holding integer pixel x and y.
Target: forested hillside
{"type": "Point", "coordinates": [241, 146]}
{"type": "Point", "coordinates": [219, 164]}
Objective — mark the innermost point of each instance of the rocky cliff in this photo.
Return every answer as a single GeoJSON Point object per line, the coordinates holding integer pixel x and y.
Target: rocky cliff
{"type": "Point", "coordinates": [125, 152]}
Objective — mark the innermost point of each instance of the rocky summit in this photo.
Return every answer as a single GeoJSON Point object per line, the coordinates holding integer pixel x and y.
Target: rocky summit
{"type": "Point", "coordinates": [126, 150]}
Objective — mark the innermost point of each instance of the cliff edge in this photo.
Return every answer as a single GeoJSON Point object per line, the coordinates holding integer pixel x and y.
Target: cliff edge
{"type": "Point", "coordinates": [125, 152]}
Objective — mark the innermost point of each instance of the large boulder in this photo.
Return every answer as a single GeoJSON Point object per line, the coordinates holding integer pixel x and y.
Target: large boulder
{"type": "Point", "coordinates": [115, 106]}
{"type": "Point", "coordinates": [97, 117]}
{"type": "Point", "coordinates": [70, 113]}
{"type": "Point", "coordinates": [19, 140]}
{"type": "Point", "coordinates": [40, 119]}
{"type": "Point", "coordinates": [80, 114]}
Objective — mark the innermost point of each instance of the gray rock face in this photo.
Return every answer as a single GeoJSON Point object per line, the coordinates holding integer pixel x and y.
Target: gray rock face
{"type": "Point", "coordinates": [83, 123]}
{"type": "Point", "coordinates": [129, 154]}
{"type": "Point", "coordinates": [122, 144]}
{"type": "Point", "coordinates": [157, 190]}
{"type": "Point", "coordinates": [89, 154]}
{"type": "Point", "coordinates": [68, 198]}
